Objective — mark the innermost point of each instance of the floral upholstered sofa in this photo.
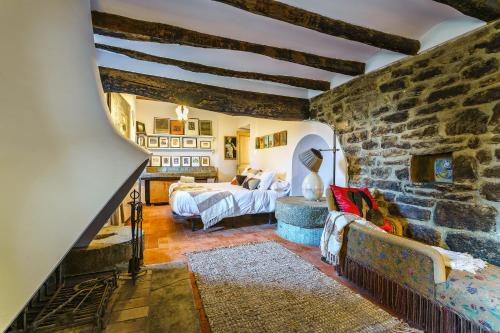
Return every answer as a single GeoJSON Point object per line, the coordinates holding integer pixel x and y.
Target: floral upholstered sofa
{"type": "Point", "coordinates": [411, 278]}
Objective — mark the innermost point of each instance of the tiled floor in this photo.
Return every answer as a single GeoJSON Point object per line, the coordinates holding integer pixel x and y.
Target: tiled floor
{"type": "Point", "coordinates": [167, 240]}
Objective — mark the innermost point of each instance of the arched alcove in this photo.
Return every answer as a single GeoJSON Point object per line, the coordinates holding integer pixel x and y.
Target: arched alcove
{"type": "Point", "coordinates": [299, 171]}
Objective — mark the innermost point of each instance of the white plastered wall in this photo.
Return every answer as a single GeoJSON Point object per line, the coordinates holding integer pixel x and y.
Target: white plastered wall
{"type": "Point", "coordinates": [60, 158]}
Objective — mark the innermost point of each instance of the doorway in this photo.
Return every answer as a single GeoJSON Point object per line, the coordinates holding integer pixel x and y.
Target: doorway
{"type": "Point", "coordinates": [243, 144]}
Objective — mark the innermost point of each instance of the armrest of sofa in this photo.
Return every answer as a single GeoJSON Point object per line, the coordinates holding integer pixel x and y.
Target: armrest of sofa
{"type": "Point", "coordinates": [403, 260]}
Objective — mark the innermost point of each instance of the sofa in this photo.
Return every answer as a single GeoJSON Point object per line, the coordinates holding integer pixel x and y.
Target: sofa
{"type": "Point", "coordinates": [411, 278]}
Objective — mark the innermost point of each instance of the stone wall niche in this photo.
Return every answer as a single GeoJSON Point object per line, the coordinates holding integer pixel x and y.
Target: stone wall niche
{"type": "Point", "coordinates": [435, 168]}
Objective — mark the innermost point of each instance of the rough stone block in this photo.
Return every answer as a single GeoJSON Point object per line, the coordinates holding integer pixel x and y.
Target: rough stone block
{"type": "Point", "coordinates": [421, 122]}
{"type": "Point", "coordinates": [427, 73]}
{"type": "Point", "coordinates": [492, 172]}
{"type": "Point", "coordinates": [464, 168]}
{"type": "Point", "coordinates": [407, 103]}
{"type": "Point", "coordinates": [385, 185]}
{"type": "Point", "coordinates": [397, 117]}
{"type": "Point", "coordinates": [484, 156]}
{"type": "Point", "coordinates": [479, 247]}
{"type": "Point", "coordinates": [403, 174]}
{"type": "Point", "coordinates": [409, 212]}
{"type": "Point", "coordinates": [357, 137]}
{"type": "Point", "coordinates": [423, 234]}
{"type": "Point", "coordinates": [448, 92]}
{"type": "Point", "coordinates": [491, 191]}
{"type": "Point", "coordinates": [380, 111]}
{"type": "Point", "coordinates": [426, 132]}
{"type": "Point", "coordinates": [481, 97]}
{"type": "Point", "coordinates": [393, 85]}
{"type": "Point", "coordinates": [490, 46]}
{"type": "Point", "coordinates": [433, 108]}
{"type": "Point", "coordinates": [422, 202]}
{"type": "Point", "coordinates": [481, 69]}
{"type": "Point", "coordinates": [382, 172]}
{"type": "Point", "coordinates": [369, 145]}
{"type": "Point", "coordinates": [402, 72]}
{"type": "Point", "coordinates": [458, 215]}
{"type": "Point", "coordinates": [470, 121]}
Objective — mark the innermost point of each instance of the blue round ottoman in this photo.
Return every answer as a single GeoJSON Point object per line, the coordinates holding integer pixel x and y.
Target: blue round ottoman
{"type": "Point", "coordinates": [301, 221]}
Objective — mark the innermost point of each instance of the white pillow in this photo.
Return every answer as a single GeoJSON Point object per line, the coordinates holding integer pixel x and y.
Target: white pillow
{"type": "Point", "coordinates": [266, 179]}
{"type": "Point", "coordinates": [280, 186]}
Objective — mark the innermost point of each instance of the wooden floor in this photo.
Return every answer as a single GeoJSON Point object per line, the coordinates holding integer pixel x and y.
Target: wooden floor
{"type": "Point", "coordinates": [167, 240]}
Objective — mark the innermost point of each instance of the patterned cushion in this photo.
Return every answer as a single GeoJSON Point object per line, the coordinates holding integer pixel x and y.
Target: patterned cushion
{"type": "Point", "coordinates": [475, 296]}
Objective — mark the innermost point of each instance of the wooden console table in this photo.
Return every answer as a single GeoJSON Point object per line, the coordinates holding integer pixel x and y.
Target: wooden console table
{"type": "Point", "coordinates": [157, 180]}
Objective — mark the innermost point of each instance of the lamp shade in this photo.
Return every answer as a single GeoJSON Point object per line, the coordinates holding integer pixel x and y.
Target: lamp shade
{"type": "Point", "coordinates": [311, 159]}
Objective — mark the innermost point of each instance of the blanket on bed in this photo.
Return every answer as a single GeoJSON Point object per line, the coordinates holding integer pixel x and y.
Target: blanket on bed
{"type": "Point", "coordinates": [213, 205]}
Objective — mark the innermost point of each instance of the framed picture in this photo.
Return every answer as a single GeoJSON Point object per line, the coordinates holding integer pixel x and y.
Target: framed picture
{"type": "Point", "coordinates": [141, 140]}
{"type": "Point", "coordinates": [266, 141]}
{"type": "Point", "coordinates": [121, 114]}
{"type": "Point", "coordinates": [276, 139]}
{"type": "Point", "coordinates": [195, 161]}
{"type": "Point", "coordinates": [229, 147]}
{"type": "Point", "coordinates": [189, 143]}
{"type": "Point", "coordinates": [161, 125]}
{"type": "Point", "coordinates": [205, 144]}
{"type": "Point", "coordinates": [175, 142]}
{"type": "Point", "coordinates": [163, 142]}
{"type": "Point", "coordinates": [270, 140]}
{"type": "Point", "coordinates": [153, 141]}
{"type": "Point", "coordinates": [185, 161]}
{"type": "Point", "coordinates": [165, 161]}
{"type": "Point", "coordinates": [176, 127]}
{"type": "Point", "coordinates": [205, 160]}
{"type": "Point", "coordinates": [140, 127]}
{"type": "Point", "coordinates": [205, 127]}
{"type": "Point", "coordinates": [283, 138]}
{"type": "Point", "coordinates": [156, 160]}
{"type": "Point", "coordinates": [261, 142]}
{"type": "Point", "coordinates": [191, 127]}
{"type": "Point", "coordinates": [176, 161]}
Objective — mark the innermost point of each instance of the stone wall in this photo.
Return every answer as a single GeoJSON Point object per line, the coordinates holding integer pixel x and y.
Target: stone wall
{"type": "Point", "coordinates": [445, 100]}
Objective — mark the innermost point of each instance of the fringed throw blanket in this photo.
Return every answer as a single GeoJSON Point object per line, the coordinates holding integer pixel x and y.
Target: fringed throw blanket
{"type": "Point", "coordinates": [213, 205]}
{"type": "Point", "coordinates": [333, 233]}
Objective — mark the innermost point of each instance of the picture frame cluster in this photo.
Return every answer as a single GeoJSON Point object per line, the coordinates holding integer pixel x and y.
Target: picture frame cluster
{"type": "Point", "coordinates": [178, 161]}
{"type": "Point", "coordinates": [173, 142]}
{"type": "Point", "coordinates": [190, 127]}
{"type": "Point", "coordinates": [271, 140]}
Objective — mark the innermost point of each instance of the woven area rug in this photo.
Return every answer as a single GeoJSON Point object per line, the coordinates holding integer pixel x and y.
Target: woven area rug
{"type": "Point", "coordinates": [263, 287]}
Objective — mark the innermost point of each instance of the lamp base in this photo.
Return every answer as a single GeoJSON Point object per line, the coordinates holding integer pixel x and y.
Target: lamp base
{"type": "Point", "coordinates": [312, 187]}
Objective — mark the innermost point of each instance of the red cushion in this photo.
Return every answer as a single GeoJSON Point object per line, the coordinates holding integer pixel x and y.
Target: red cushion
{"type": "Point", "coordinates": [344, 203]}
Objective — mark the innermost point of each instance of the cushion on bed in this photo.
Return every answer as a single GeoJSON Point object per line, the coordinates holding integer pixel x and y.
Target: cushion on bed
{"type": "Point", "coordinates": [252, 184]}
{"type": "Point", "coordinates": [266, 179]}
{"type": "Point", "coordinates": [248, 177]}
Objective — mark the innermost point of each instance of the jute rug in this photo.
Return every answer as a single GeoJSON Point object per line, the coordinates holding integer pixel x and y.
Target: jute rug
{"type": "Point", "coordinates": [264, 287]}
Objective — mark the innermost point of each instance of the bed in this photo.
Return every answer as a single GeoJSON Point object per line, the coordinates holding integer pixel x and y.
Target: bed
{"type": "Point", "coordinates": [212, 202]}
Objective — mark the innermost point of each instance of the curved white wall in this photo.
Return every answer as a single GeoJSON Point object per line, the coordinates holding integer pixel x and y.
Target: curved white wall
{"type": "Point", "coordinates": [299, 171]}
{"type": "Point", "coordinates": [60, 159]}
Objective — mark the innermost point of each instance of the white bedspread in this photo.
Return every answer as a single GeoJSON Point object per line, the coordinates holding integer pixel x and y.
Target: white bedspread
{"type": "Point", "coordinates": [246, 201]}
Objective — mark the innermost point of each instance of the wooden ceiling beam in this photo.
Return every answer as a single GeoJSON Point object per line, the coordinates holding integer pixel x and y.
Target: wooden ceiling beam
{"type": "Point", "coordinates": [485, 10]}
{"type": "Point", "coordinates": [198, 68]}
{"type": "Point", "coordinates": [127, 28]}
{"type": "Point", "coordinates": [202, 96]}
{"type": "Point", "coordinates": [300, 17]}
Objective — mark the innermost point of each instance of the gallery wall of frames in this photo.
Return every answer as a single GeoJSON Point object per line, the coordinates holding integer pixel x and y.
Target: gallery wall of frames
{"type": "Point", "coordinates": [171, 135]}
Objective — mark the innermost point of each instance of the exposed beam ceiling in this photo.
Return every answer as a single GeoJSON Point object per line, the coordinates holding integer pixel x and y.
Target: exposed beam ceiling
{"type": "Point", "coordinates": [194, 67]}
{"type": "Point", "coordinates": [485, 10]}
{"type": "Point", "coordinates": [224, 100]}
{"type": "Point", "coordinates": [127, 28]}
{"type": "Point", "coordinates": [297, 16]}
